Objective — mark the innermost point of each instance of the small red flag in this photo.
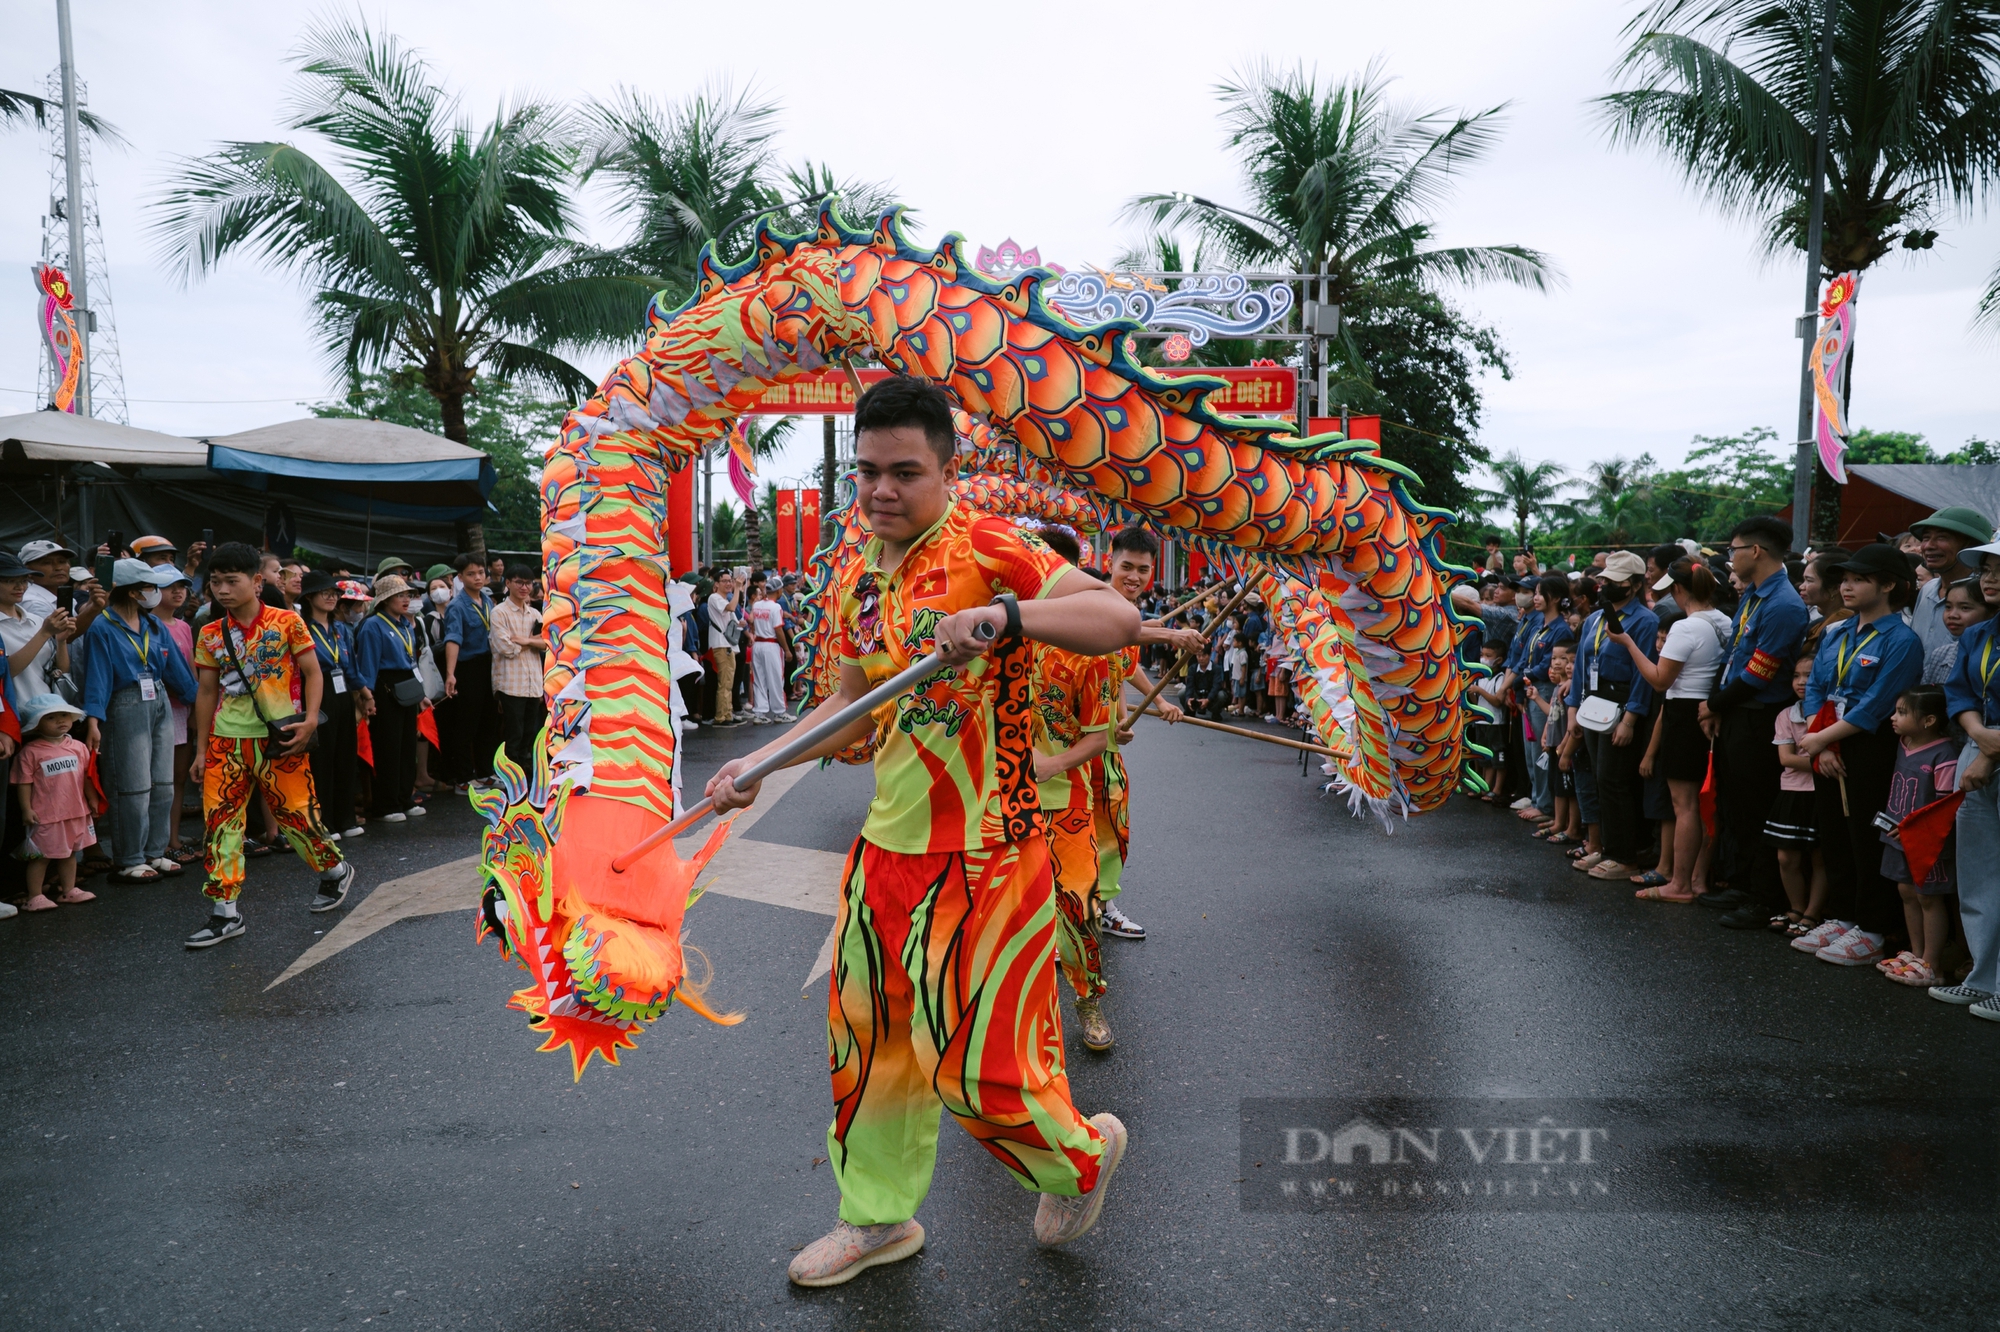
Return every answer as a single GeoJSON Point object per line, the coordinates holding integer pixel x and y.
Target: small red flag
{"type": "Point", "coordinates": [364, 743]}
{"type": "Point", "coordinates": [1708, 796]}
{"type": "Point", "coordinates": [1825, 717]}
{"type": "Point", "coordinates": [427, 727]}
{"type": "Point", "coordinates": [1923, 832]}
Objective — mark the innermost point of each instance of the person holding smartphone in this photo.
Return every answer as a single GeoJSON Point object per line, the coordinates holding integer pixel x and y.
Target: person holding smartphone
{"type": "Point", "coordinates": [1607, 699]}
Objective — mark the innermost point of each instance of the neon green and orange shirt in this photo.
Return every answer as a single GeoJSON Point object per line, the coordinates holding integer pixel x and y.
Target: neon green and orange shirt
{"type": "Point", "coordinates": [1072, 699]}
{"type": "Point", "coordinates": [953, 758]}
{"type": "Point", "coordinates": [267, 651]}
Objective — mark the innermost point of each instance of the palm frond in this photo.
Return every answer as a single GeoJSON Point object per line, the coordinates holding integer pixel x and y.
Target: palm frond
{"type": "Point", "coordinates": [508, 362]}
{"type": "Point", "coordinates": [19, 105]}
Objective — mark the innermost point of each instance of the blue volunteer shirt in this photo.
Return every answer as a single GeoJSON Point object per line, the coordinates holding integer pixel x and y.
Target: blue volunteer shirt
{"type": "Point", "coordinates": [119, 655]}
{"type": "Point", "coordinates": [1543, 647]}
{"type": "Point", "coordinates": [1974, 685]}
{"type": "Point", "coordinates": [334, 648]}
{"type": "Point", "coordinates": [1770, 624]}
{"type": "Point", "coordinates": [466, 622]}
{"type": "Point", "coordinates": [1862, 668]}
{"type": "Point", "coordinates": [1610, 661]}
{"type": "Point", "coordinates": [1524, 637]}
{"type": "Point", "coordinates": [383, 644]}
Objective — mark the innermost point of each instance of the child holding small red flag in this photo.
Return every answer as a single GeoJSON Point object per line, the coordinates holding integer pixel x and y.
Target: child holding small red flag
{"type": "Point", "coordinates": [1926, 772]}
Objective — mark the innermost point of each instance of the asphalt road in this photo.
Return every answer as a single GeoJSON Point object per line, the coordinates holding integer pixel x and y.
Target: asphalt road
{"type": "Point", "coordinates": [377, 1141]}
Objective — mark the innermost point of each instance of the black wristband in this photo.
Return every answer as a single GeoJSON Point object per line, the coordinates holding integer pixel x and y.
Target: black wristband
{"type": "Point", "coordinates": [1012, 605]}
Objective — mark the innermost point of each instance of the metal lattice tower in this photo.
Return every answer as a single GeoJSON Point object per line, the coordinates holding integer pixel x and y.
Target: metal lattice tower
{"type": "Point", "coordinates": [105, 367]}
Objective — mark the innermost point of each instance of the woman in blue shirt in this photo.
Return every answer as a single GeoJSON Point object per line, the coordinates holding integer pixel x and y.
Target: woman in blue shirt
{"type": "Point", "coordinates": [1863, 664]}
{"type": "Point", "coordinates": [385, 657]}
{"type": "Point", "coordinates": [1972, 697]}
{"type": "Point", "coordinates": [335, 765]}
{"type": "Point", "coordinates": [130, 668]}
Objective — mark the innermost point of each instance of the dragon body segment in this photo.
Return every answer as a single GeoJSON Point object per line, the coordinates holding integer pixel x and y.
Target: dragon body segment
{"type": "Point", "coordinates": [1096, 437]}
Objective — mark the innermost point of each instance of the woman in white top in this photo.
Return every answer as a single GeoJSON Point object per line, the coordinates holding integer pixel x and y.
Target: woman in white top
{"type": "Point", "coordinates": [34, 644]}
{"type": "Point", "coordinates": [1690, 659]}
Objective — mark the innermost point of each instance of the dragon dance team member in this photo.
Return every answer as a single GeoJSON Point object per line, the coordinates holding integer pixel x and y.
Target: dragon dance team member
{"type": "Point", "coordinates": [1135, 554]}
{"type": "Point", "coordinates": [1073, 702]}
{"type": "Point", "coordinates": [944, 980]}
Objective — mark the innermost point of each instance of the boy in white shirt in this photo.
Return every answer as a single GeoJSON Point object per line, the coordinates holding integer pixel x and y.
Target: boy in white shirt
{"type": "Point", "coordinates": [769, 651]}
{"type": "Point", "coordinates": [1238, 660]}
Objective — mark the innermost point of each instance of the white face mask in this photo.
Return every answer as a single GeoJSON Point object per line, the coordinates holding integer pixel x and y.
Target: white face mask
{"type": "Point", "coordinates": [441, 595]}
{"type": "Point", "coordinates": [150, 598]}
{"type": "Point", "coordinates": [350, 614]}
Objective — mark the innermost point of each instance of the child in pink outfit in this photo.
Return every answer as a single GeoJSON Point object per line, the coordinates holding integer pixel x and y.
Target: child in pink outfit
{"type": "Point", "coordinates": [49, 776]}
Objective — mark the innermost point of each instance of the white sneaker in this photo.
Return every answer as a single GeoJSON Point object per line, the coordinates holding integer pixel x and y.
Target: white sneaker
{"type": "Point", "coordinates": [1856, 948]}
{"type": "Point", "coordinates": [355, 831]}
{"type": "Point", "coordinates": [1117, 923]}
{"type": "Point", "coordinates": [415, 811]}
{"type": "Point", "coordinates": [8, 909]}
{"type": "Point", "coordinates": [1986, 1008]}
{"type": "Point", "coordinates": [1522, 803]}
{"type": "Point", "coordinates": [393, 817]}
{"type": "Point", "coordinates": [1958, 994]}
{"type": "Point", "coordinates": [1821, 935]}
{"type": "Point", "coordinates": [1059, 1219]}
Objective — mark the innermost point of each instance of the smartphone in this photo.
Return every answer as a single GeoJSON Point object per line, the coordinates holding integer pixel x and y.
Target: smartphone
{"type": "Point", "coordinates": [1613, 622]}
{"type": "Point", "coordinates": [207, 540]}
{"type": "Point", "coordinates": [114, 541]}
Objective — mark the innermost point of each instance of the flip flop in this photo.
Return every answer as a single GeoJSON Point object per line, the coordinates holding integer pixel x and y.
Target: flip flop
{"type": "Point", "coordinates": [1652, 879]}
{"type": "Point", "coordinates": [1655, 895]}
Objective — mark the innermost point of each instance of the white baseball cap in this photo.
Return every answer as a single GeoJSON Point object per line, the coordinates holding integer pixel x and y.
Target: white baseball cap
{"type": "Point", "coordinates": [126, 573]}
{"type": "Point", "coordinates": [41, 550]}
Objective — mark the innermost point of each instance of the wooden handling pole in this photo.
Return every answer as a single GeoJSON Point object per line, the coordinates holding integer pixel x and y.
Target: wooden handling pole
{"type": "Point", "coordinates": [1181, 661]}
{"type": "Point", "coordinates": [1250, 734]}
{"type": "Point", "coordinates": [1185, 606]}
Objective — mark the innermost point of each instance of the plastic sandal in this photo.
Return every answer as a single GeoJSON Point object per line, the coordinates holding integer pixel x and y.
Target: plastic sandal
{"type": "Point", "coordinates": [252, 848]}
{"type": "Point", "coordinates": [1803, 925]}
{"type": "Point", "coordinates": [1653, 879]}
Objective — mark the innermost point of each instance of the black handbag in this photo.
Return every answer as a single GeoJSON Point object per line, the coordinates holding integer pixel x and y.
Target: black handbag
{"type": "Point", "coordinates": [273, 730]}
{"type": "Point", "coordinates": [408, 693]}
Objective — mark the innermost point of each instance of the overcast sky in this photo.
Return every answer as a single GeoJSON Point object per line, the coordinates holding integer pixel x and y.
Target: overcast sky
{"type": "Point", "coordinates": [1037, 121]}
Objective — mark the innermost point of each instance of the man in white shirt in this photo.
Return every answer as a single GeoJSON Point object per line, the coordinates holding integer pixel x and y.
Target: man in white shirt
{"type": "Point", "coordinates": [724, 633]}
{"type": "Point", "coordinates": [48, 565]}
{"type": "Point", "coordinates": [768, 650]}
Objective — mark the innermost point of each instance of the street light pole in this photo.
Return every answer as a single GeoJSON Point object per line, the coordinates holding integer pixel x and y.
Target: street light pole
{"type": "Point", "coordinates": [79, 277]}
{"type": "Point", "coordinates": [1802, 464]}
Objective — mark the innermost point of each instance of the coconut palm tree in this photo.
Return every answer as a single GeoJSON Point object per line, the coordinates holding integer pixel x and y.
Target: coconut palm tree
{"type": "Point", "coordinates": [1728, 91]}
{"type": "Point", "coordinates": [1527, 490]}
{"type": "Point", "coordinates": [427, 240]}
{"type": "Point", "coordinates": [1350, 180]}
{"type": "Point", "coordinates": [703, 170]}
{"type": "Point", "coordinates": [765, 436]}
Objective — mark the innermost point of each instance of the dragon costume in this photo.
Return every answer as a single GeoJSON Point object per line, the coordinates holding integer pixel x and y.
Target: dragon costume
{"type": "Point", "coordinates": [1096, 435]}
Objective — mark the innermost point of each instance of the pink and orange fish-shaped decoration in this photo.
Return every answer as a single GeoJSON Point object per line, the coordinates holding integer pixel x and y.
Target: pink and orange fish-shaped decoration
{"type": "Point", "coordinates": [59, 333]}
{"type": "Point", "coordinates": [742, 463]}
{"type": "Point", "coordinates": [1829, 373]}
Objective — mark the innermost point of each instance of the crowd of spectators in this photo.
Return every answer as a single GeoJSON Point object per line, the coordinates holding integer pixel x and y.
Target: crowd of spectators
{"type": "Point", "coordinates": [1804, 744]}
{"type": "Point", "coordinates": [119, 661]}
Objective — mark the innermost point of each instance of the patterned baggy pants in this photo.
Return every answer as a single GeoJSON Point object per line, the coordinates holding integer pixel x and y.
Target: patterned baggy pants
{"type": "Point", "coordinates": [1111, 804]}
{"type": "Point", "coordinates": [234, 767]}
{"type": "Point", "coordinates": [1072, 837]}
{"type": "Point", "coordinates": [943, 995]}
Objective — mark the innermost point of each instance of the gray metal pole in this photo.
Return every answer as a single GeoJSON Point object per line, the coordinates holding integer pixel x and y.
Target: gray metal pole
{"type": "Point", "coordinates": [1802, 465]}
{"type": "Point", "coordinates": [79, 281]}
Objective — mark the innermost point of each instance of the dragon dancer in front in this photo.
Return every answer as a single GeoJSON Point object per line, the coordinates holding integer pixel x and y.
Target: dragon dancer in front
{"type": "Point", "coordinates": [944, 978]}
